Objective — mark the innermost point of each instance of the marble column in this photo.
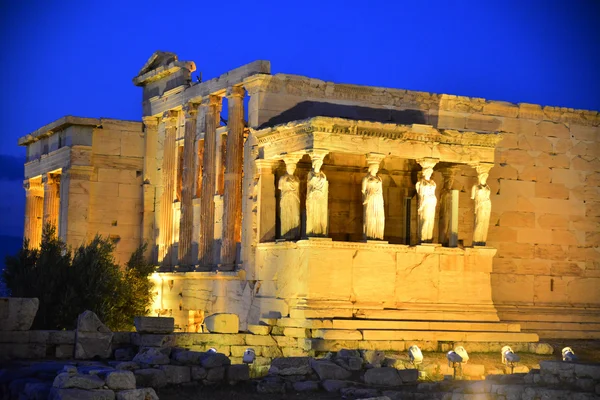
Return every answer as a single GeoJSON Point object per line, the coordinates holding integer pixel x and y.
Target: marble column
{"type": "Point", "coordinates": [186, 222]}
{"type": "Point", "coordinates": [213, 104]}
{"type": "Point", "coordinates": [232, 196]}
{"type": "Point", "coordinates": [34, 212]}
{"type": "Point", "coordinates": [446, 206]}
{"type": "Point", "coordinates": [317, 196]}
{"type": "Point", "coordinates": [427, 201]}
{"type": "Point", "coordinates": [169, 172]}
{"type": "Point", "coordinates": [289, 199]}
{"type": "Point", "coordinates": [480, 193]}
{"type": "Point", "coordinates": [149, 185]}
{"type": "Point", "coordinates": [51, 199]}
{"type": "Point", "coordinates": [373, 206]}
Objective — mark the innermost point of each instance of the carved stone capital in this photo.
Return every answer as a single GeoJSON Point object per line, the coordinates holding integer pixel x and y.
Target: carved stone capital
{"type": "Point", "coordinates": [50, 179]}
{"type": "Point", "coordinates": [375, 158]}
{"type": "Point", "coordinates": [291, 158]}
{"type": "Point", "coordinates": [317, 154]}
{"type": "Point", "coordinates": [235, 91]}
{"type": "Point", "coordinates": [170, 118]}
{"type": "Point", "coordinates": [257, 83]}
{"type": "Point", "coordinates": [150, 121]}
{"type": "Point", "coordinates": [212, 101]}
{"type": "Point", "coordinates": [33, 187]}
{"type": "Point", "coordinates": [265, 166]}
{"type": "Point", "coordinates": [191, 110]}
{"type": "Point", "coordinates": [483, 168]}
{"type": "Point", "coordinates": [427, 163]}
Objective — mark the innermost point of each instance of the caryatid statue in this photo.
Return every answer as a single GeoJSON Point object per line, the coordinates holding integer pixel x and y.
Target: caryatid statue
{"type": "Point", "coordinates": [372, 191]}
{"type": "Point", "coordinates": [317, 193]}
{"type": "Point", "coordinates": [289, 201]}
{"type": "Point", "coordinates": [426, 201]}
{"type": "Point", "coordinates": [446, 204]}
{"type": "Point", "coordinates": [483, 205]}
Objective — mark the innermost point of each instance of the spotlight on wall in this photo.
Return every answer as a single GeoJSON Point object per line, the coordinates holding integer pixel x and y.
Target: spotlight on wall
{"type": "Point", "coordinates": [212, 350]}
{"type": "Point", "coordinates": [415, 355]}
{"type": "Point", "coordinates": [569, 355]}
{"type": "Point", "coordinates": [249, 356]}
{"type": "Point", "coordinates": [509, 358]}
{"type": "Point", "coordinates": [462, 353]}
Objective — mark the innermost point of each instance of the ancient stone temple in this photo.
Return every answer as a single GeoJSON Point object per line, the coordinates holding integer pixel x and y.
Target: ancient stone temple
{"type": "Point", "coordinates": [363, 213]}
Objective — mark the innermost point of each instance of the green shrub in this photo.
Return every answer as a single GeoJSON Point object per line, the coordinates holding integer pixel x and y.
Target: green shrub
{"type": "Point", "coordinates": [68, 283]}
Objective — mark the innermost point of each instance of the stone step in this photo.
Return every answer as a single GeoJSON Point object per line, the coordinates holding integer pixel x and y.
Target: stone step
{"type": "Point", "coordinates": [455, 336]}
{"type": "Point", "coordinates": [483, 315]}
{"type": "Point", "coordinates": [424, 325]}
{"type": "Point", "coordinates": [559, 326]}
{"type": "Point", "coordinates": [549, 314]}
{"type": "Point", "coordinates": [564, 334]}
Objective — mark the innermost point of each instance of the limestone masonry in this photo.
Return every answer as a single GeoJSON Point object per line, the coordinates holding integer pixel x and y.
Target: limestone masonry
{"type": "Point", "coordinates": [267, 196]}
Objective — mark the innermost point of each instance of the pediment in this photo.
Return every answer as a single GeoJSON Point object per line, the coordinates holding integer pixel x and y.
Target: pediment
{"type": "Point", "coordinates": [157, 60]}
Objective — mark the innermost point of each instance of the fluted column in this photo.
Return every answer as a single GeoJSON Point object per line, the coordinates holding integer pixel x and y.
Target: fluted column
{"type": "Point", "coordinates": [232, 197]}
{"type": "Point", "coordinates": [186, 223]}
{"type": "Point", "coordinates": [207, 201]}
{"type": "Point", "coordinates": [34, 211]}
{"type": "Point", "coordinates": [149, 185]}
{"type": "Point", "coordinates": [265, 199]}
{"type": "Point", "coordinates": [169, 172]}
{"type": "Point", "coordinates": [51, 199]}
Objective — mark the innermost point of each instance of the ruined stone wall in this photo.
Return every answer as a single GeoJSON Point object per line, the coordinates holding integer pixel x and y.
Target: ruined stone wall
{"type": "Point", "coordinates": [115, 185]}
{"type": "Point", "coordinates": [545, 221]}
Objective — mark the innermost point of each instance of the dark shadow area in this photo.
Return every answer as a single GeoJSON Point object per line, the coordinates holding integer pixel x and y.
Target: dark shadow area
{"type": "Point", "coordinates": [310, 109]}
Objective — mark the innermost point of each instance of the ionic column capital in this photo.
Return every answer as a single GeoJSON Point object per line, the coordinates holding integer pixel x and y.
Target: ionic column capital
{"type": "Point", "coordinates": [170, 118]}
{"type": "Point", "coordinates": [235, 91]}
{"type": "Point", "coordinates": [212, 100]}
{"type": "Point", "coordinates": [33, 187]}
{"type": "Point", "coordinates": [191, 110]}
{"type": "Point", "coordinates": [265, 166]}
{"type": "Point", "coordinates": [50, 179]}
{"type": "Point", "coordinates": [150, 121]}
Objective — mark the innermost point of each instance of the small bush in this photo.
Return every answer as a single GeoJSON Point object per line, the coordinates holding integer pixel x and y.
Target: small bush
{"type": "Point", "coordinates": [68, 283]}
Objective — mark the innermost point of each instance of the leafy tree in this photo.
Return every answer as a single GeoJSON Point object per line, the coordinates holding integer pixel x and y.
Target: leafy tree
{"type": "Point", "coordinates": [70, 282]}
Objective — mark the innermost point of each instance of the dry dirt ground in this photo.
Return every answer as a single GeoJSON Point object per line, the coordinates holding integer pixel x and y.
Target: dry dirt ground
{"type": "Point", "coordinates": [586, 350]}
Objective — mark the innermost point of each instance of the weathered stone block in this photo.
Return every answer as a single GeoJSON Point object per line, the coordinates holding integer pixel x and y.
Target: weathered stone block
{"type": "Point", "coordinates": [333, 385]}
{"type": "Point", "coordinates": [552, 129]}
{"type": "Point", "coordinates": [383, 376]}
{"type": "Point", "coordinates": [259, 329]}
{"type": "Point", "coordinates": [67, 380]}
{"type": "Point", "coordinates": [223, 323]}
{"type": "Point", "coordinates": [216, 374]}
{"type": "Point", "coordinates": [137, 394]}
{"type": "Point", "coordinates": [237, 373]}
{"type": "Point", "coordinates": [37, 391]}
{"type": "Point", "coordinates": [17, 313]}
{"type": "Point", "coordinates": [176, 374]}
{"type": "Point", "coordinates": [290, 366]}
{"type": "Point", "coordinates": [150, 377]}
{"type": "Point", "coordinates": [151, 356]}
{"type": "Point", "coordinates": [213, 360]}
{"type": "Point", "coordinates": [256, 340]}
{"type": "Point", "coordinates": [124, 354]}
{"type": "Point", "coordinates": [64, 351]}
{"type": "Point", "coordinates": [197, 373]}
{"type": "Point", "coordinates": [306, 386]}
{"type": "Point", "coordinates": [120, 380]}
{"type": "Point", "coordinates": [92, 337]}
{"type": "Point", "coordinates": [127, 366]}
{"type": "Point", "coordinates": [154, 324]}
{"type": "Point", "coordinates": [329, 370]}
{"type": "Point", "coordinates": [153, 340]}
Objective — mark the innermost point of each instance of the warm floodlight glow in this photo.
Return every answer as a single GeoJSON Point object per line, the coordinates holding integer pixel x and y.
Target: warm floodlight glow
{"type": "Point", "coordinates": [249, 356]}
{"type": "Point", "coordinates": [462, 353]}
{"type": "Point", "coordinates": [212, 350]}
{"type": "Point", "coordinates": [569, 355]}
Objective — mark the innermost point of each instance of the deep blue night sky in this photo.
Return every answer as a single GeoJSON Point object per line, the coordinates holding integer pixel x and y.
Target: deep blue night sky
{"type": "Point", "coordinates": [78, 57]}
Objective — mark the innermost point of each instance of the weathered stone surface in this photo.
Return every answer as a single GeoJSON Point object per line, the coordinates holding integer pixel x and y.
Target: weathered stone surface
{"type": "Point", "coordinates": [306, 386]}
{"type": "Point", "coordinates": [237, 373]}
{"type": "Point", "coordinates": [154, 324]}
{"type": "Point", "coordinates": [124, 354]}
{"type": "Point", "coordinates": [223, 323]}
{"type": "Point", "coordinates": [197, 373]}
{"type": "Point", "coordinates": [212, 360]}
{"type": "Point", "coordinates": [137, 394]}
{"type": "Point", "coordinates": [151, 356]}
{"type": "Point", "coordinates": [271, 384]}
{"type": "Point", "coordinates": [290, 366]}
{"type": "Point", "coordinates": [68, 380]}
{"type": "Point", "coordinates": [387, 376]}
{"type": "Point", "coordinates": [153, 340]}
{"type": "Point", "coordinates": [17, 313]}
{"type": "Point", "coordinates": [408, 375]}
{"type": "Point", "coordinates": [120, 380]}
{"type": "Point", "coordinates": [373, 357]}
{"type": "Point", "coordinates": [216, 374]}
{"type": "Point", "coordinates": [127, 366]}
{"type": "Point", "coordinates": [81, 394]}
{"type": "Point", "coordinates": [37, 390]}
{"type": "Point", "coordinates": [150, 377]}
{"type": "Point", "coordinates": [329, 370]}
{"type": "Point", "coordinates": [92, 338]}
{"type": "Point", "coordinates": [188, 357]}
{"type": "Point", "coordinates": [64, 351]}
{"type": "Point", "coordinates": [333, 385]}
{"type": "Point", "coordinates": [176, 373]}
{"type": "Point", "coordinates": [259, 329]}
{"type": "Point", "coordinates": [358, 393]}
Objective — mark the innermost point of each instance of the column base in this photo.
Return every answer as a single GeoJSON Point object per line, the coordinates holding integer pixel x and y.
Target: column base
{"type": "Point", "coordinates": [375, 241]}
{"type": "Point", "coordinates": [227, 267]}
{"type": "Point", "coordinates": [318, 238]}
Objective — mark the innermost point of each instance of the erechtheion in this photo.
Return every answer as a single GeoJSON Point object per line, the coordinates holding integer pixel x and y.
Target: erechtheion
{"type": "Point", "coordinates": [364, 213]}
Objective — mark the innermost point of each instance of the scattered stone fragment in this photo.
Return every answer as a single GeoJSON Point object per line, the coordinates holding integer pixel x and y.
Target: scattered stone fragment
{"type": "Point", "coordinates": [17, 313]}
{"type": "Point", "coordinates": [176, 374]}
{"type": "Point", "coordinates": [271, 384]}
{"type": "Point", "coordinates": [212, 360]}
{"type": "Point", "coordinates": [306, 386]}
{"type": "Point", "coordinates": [237, 373]}
{"type": "Point", "coordinates": [124, 354]}
{"type": "Point", "coordinates": [127, 366]}
{"type": "Point", "coordinates": [151, 356]}
{"type": "Point", "coordinates": [333, 385]}
{"type": "Point", "coordinates": [329, 370]}
{"type": "Point", "coordinates": [259, 329]}
{"type": "Point", "coordinates": [37, 390]}
{"type": "Point", "coordinates": [154, 324]}
{"type": "Point", "coordinates": [290, 366]}
{"type": "Point", "coordinates": [373, 357]}
{"type": "Point", "coordinates": [68, 380]}
{"type": "Point", "coordinates": [222, 323]}
{"type": "Point", "coordinates": [92, 338]}
{"type": "Point", "coordinates": [216, 374]}
{"type": "Point", "coordinates": [188, 357]}
{"type": "Point", "coordinates": [197, 373]}
{"type": "Point", "coordinates": [120, 380]}
{"type": "Point", "coordinates": [153, 340]}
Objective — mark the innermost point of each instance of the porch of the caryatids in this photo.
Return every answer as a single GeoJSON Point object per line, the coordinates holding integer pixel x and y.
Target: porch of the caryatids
{"type": "Point", "coordinates": [187, 190]}
{"type": "Point", "coordinates": [169, 171]}
{"type": "Point", "coordinates": [427, 200]}
{"type": "Point", "coordinates": [213, 104]}
{"type": "Point", "coordinates": [51, 184]}
{"type": "Point", "coordinates": [232, 194]}
{"type": "Point", "coordinates": [480, 193]}
{"type": "Point", "coordinates": [448, 228]}
{"type": "Point", "coordinates": [317, 195]}
{"type": "Point", "coordinates": [289, 199]}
